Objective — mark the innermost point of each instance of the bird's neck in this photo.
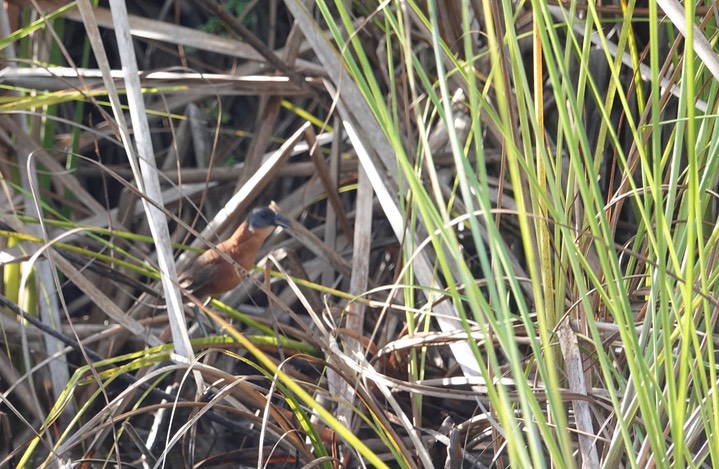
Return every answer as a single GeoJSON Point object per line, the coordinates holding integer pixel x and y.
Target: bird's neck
{"type": "Point", "coordinates": [242, 233]}
{"type": "Point", "coordinates": [245, 239]}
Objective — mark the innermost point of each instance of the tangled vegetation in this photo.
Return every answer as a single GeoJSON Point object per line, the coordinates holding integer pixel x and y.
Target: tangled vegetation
{"type": "Point", "coordinates": [502, 248]}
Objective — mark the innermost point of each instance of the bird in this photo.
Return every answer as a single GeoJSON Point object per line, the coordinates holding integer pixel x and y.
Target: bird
{"type": "Point", "coordinates": [212, 275]}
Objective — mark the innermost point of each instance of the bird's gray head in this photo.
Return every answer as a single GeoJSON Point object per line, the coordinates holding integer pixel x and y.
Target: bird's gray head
{"type": "Point", "coordinates": [263, 217]}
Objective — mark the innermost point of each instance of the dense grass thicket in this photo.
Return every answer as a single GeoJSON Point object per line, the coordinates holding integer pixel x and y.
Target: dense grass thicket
{"type": "Point", "coordinates": [502, 249]}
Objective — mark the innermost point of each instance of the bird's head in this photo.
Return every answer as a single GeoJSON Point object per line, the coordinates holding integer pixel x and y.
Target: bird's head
{"type": "Point", "coordinates": [264, 217]}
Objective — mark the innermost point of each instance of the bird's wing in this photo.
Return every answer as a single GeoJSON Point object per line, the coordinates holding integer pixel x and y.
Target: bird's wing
{"type": "Point", "coordinates": [197, 277]}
